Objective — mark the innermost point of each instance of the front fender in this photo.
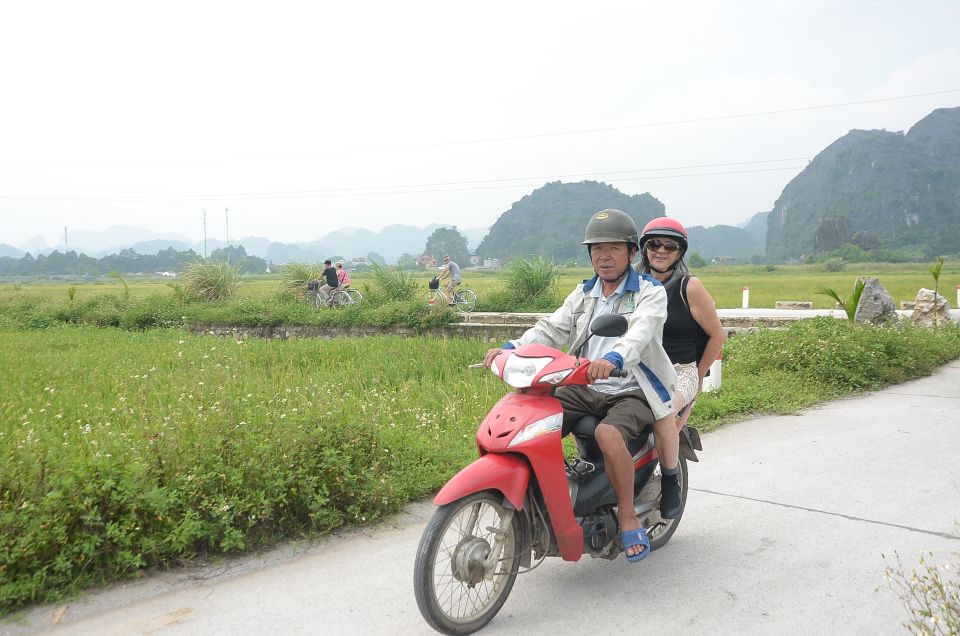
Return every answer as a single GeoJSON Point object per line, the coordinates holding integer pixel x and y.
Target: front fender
{"type": "Point", "coordinates": [507, 473]}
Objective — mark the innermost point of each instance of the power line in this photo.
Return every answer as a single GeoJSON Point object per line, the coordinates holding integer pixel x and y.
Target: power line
{"type": "Point", "coordinates": [451, 186]}
{"type": "Point", "coordinates": [544, 135]}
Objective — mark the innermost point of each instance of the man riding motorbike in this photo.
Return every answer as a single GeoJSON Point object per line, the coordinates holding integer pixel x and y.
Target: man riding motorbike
{"type": "Point", "coordinates": [624, 405]}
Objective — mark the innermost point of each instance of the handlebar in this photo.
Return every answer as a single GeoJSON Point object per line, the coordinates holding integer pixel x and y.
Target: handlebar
{"type": "Point", "coordinates": [619, 373]}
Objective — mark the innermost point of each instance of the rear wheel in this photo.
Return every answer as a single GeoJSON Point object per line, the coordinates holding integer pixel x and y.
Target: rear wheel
{"type": "Point", "coordinates": [339, 299]}
{"type": "Point", "coordinates": [647, 505]}
{"type": "Point", "coordinates": [467, 563]}
{"type": "Point", "coordinates": [465, 300]}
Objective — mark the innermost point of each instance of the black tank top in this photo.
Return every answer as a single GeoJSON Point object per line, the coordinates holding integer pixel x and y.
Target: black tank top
{"type": "Point", "coordinates": [681, 333]}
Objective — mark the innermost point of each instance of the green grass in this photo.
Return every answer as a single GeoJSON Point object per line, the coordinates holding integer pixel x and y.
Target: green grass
{"type": "Point", "coordinates": [725, 283]}
{"type": "Point", "coordinates": [174, 445]}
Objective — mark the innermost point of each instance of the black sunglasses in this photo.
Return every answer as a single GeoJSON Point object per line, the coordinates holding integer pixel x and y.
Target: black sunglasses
{"type": "Point", "coordinates": [655, 244]}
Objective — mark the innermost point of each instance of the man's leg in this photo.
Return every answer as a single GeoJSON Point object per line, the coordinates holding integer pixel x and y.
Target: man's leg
{"type": "Point", "coordinates": [325, 291]}
{"type": "Point", "coordinates": [618, 465]}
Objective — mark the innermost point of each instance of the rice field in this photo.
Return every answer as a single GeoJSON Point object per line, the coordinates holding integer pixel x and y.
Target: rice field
{"type": "Point", "coordinates": [725, 283]}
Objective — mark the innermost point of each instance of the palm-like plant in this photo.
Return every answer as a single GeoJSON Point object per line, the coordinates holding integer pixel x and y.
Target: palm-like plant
{"type": "Point", "coordinates": [849, 305]}
{"type": "Point", "coordinates": [935, 272]}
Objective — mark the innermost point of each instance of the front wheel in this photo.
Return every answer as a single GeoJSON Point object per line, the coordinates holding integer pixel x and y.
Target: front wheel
{"type": "Point", "coordinates": [434, 298]}
{"type": "Point", "coordinates": [647, 505]}
{"type": "Point", "coordinates": [467, 563]}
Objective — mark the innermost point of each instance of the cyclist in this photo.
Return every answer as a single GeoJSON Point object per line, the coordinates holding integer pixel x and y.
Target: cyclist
{"type": "Point", "coordinates": [342, 276]}
{"type": "Point", "coordinates": [451, 270]}
{"type": "Point", "coordinates": [331, 281]}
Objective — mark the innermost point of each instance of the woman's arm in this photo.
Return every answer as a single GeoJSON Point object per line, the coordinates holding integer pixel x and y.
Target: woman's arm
{"type": "Point", "coordinates": [704, 311]}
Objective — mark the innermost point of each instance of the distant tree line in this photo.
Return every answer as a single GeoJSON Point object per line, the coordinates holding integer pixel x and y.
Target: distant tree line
{"type": "Point", "coordinates": [126, 261]}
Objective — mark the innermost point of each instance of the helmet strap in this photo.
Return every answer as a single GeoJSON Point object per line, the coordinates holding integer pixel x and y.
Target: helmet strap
{"type": "Point", "coordinates": [663, 271]}
{"type": "Point", "coordinates": [619, 278]}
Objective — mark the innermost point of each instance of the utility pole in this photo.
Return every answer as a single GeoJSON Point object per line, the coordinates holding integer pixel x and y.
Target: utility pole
{"type": "Point", "coordinates": [66, 244]}
{"type": "Point", "coordinates": [204, 233]}
{"type": "Point", "coordinates": [227, 215]}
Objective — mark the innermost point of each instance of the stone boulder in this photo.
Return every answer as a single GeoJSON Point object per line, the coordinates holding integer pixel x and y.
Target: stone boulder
{"type": "Point", "coordinates": [876, 304]}
{"type": "Point", "coordinates": [929, 309]}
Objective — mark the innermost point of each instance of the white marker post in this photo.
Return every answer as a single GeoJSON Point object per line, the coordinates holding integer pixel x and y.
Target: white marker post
{"type": "Point", "coordinates": [746, 298]}
{"type": "Point", "coordinates": [712, 381]}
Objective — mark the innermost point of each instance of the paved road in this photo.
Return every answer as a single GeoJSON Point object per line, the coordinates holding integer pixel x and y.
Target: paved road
{"type": "Point", "coordinates": [787, 523]}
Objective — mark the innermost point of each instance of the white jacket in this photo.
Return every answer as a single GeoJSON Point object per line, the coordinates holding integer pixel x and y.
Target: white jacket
{"type": "Point", "coordinates": [644, 303]}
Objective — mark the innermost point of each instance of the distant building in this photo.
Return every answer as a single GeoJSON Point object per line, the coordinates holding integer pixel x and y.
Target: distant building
{"type": "Point", "coordinates": [492, 263]}
{"type": "Point", "coordinates": [427, 261]}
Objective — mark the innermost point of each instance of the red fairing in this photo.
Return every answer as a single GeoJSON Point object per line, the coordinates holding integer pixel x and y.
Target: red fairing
{"type": "Point", "coordinates": [513, 413]}
{"type": "Point", "coordinates": [506, 473]}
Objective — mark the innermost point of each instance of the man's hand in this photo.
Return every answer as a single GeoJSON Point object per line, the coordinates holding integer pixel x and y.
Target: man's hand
{"type": "Point", "coordinates": [600, 369]}
{"type": "Point", "coordinates": [490, 355]}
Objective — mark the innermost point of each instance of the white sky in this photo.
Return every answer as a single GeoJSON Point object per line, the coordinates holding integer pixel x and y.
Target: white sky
{"type": "Point", "coordinates": [305, 117]}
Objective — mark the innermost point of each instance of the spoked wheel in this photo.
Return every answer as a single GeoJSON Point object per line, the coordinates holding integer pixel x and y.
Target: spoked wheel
{"type": "Point", "coordinates": [465, 300]}
{"type": "Point", "coordinates": [339, 299]}
{"type": "Point", "coordinates": [318, 300]}
{"type": "Point", "coordinates": [434, 298]}
{"type": "Point", "coordinates": [647, 505]}
{"type": "Point", "coordinates": [355, 296]}
{"type": "Point", "coordinates": [467, 563]}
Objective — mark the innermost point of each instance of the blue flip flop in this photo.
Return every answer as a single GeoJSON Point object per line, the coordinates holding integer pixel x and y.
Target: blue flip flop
{"type": "Point", "coordinates": [630, 538]}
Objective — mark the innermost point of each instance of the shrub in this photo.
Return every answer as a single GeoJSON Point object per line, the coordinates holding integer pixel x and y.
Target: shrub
{"type": "Point", "coordinates": [211, 280]}
{"type": "Point", "coordinates": [931, 595]}
{"type": "Point", "coordinates": [833, 265]}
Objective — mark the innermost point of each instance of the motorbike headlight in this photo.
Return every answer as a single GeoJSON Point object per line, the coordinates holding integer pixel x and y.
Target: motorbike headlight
{"type": "Point", "coordinates": [519, 372]}
{"type": "Point", "coordinates": [556, 377]}
{"type": "Point", "coordinates": [536, 429]}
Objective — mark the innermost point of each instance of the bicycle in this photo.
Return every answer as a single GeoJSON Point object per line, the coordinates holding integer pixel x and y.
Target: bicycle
{"type": "Point", "coordinates": [464, 300]}
{"type": "Point", "coordinates": [337, 298]}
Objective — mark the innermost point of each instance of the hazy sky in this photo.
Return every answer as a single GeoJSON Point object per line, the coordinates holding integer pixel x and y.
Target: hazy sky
{"type": "Point", "coordinates": [305, 117]}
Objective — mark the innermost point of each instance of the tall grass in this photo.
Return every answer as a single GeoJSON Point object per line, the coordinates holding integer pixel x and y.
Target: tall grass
{"type": "Point", "coordinates": [211, 280]}
{"type": "Point", "coordinates": [295, 276]}
{"type": "Point", "coordinates": [391, 283]}
{"type": "Point", "coordinates": [532, 278]}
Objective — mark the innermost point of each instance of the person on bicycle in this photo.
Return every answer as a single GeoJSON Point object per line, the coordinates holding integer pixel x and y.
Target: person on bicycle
{"type": "Point", "coordinates": [625, 406]}
{"type": "Point", "coordinates": [342, 276]}
{"type": "Point", "coordinates": [331, 281]}
{"type": "Point", "coordinates": [450, 270]}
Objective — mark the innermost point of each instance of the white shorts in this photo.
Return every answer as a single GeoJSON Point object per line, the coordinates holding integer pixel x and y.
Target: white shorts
{"type": "Point", "coordinates": [688, 384]}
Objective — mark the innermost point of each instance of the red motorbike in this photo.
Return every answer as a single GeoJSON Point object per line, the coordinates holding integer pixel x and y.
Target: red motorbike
{"type": "Point", "coordinates": [522, 500]}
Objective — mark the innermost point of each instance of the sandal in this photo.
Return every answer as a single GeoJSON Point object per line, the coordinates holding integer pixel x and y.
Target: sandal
{"type": "Point", "coordinates": [635, 537]}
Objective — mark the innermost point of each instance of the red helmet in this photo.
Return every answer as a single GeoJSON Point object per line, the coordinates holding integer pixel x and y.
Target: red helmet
{"type": "Point", "coordinates": [665, 226]}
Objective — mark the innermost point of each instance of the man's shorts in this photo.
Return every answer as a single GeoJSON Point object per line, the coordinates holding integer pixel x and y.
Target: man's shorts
{"type": "Point", "coordinates": [627, 411]}
{"type": "Point", "coordinates": [452, 284]}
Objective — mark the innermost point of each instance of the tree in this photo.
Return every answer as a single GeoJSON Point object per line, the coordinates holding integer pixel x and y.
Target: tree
{"type": "Point", "coordinates": [695, 260]}
{"type": "Point", "coordinates": [448, 241]}
{"type": "Point", "coordinates": [376, 259]}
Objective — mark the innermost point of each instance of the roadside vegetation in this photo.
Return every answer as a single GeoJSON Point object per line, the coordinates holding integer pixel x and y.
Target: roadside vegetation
{"type": "Point", "coordinates": [176, 446]}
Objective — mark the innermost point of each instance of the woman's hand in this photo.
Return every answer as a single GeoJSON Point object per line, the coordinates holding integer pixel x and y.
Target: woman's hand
{"type": "Point", "coordinates": [490, 355]}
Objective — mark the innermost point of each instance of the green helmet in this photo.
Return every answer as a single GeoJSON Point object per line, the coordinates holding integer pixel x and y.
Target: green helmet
{"type": "Point", "coordinates": [611, 226]}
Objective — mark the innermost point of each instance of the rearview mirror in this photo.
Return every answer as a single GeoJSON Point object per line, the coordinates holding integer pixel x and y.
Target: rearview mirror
{"type": "Point", "coordinates": [609, 326]}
